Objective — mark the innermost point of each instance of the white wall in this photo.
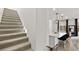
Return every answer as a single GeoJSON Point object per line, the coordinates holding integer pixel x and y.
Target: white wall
{"type": "Point", "coordinates": [28, 18]}
{"type": "Point", "coordinates": [69, 12]}
{"type": "Point", "coordinates": [52, 17]}
{"type": "Point", "coordinates": [42, 29]}
{"type": "Point", "coordinates": [36, 22]}
{"type": "Point", "coordinates": [50, 26]}
{"type": "Point", "coordinates": [1, 13]}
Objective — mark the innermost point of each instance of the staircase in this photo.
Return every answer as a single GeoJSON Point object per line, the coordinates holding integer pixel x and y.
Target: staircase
{"type": "Point", "coordinates": [12, 34]}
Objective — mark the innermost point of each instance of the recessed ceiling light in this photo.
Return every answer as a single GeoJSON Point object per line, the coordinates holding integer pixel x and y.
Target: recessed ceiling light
{"type": "Point", "coordinates": [54, 9]}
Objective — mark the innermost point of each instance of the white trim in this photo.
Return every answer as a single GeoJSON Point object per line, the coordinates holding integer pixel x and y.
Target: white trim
{"type": "Point", "coordinates": [21, 21]}
{"type": "Point", "coordinates": [23, 24]}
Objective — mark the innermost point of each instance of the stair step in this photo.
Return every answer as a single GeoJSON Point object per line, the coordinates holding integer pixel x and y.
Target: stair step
{"type": "Point", "coordinates": [8, 31]}
{"type": "Point", "coordinates": [5, 15]}
{"type": "Point", "coordinates": [9, 16]}
{"type": "Point", "coordinates": [10, 23]}
{"type": "Point", "coordinates": [9, 20]}
{"type": "Point", "coordinates": [19, 47]}
{"type": "Point", "coordinates": [29, 49]}
{"type": "Point", "coordinates": [24, 48]}
{"type": "Point", "coordinates": [10, 12]}
{"type": "Point", "coordinates": [3, 25]}
{"type": "Point", "coordinates": [12, 35]}
{"type": "Point", "coordinates": [11, 42]}
{"type": "Point", "coordinates": [10, 26]}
